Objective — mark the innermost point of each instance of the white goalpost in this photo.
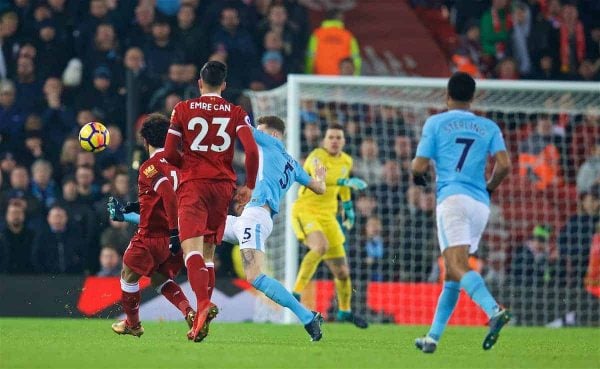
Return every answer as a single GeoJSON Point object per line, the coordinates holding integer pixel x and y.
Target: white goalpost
{"type": "Point", "coordinates": [393, 250]}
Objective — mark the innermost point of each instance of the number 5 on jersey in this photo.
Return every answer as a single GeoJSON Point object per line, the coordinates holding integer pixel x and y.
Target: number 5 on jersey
{"type": "Point", "coordinates": [197, 143]}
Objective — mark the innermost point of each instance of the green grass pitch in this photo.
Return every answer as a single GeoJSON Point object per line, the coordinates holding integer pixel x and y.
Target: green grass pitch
{"type": "Point", "coordinates": [81, 343]}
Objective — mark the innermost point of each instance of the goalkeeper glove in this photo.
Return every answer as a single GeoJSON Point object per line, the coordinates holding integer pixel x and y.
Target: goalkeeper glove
{"type": "Point", "coordinates": [421, 180]}
{"type": "Point", "coordinates": [174, 244]}
{"type": "Point", "coordinates": [132, 207]}
{"type": "Point", "coordinates": [349, 215]}
{"type": "Point", "coordinates": [115, 209]}
{"type": "Point", "coordinates": [353, 182]}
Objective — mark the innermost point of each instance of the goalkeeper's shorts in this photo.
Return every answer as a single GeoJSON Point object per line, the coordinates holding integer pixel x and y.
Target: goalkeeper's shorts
{"type": "Point", "coordinates": [305, 223]}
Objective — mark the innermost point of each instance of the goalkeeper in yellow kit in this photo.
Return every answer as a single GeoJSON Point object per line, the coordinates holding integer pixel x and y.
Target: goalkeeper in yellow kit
{"type": "Point", "coordinates": [315, 224]}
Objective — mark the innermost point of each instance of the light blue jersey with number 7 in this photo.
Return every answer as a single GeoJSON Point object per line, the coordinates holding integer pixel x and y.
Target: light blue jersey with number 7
{"type": "Point", "coordinates": [459, 142]}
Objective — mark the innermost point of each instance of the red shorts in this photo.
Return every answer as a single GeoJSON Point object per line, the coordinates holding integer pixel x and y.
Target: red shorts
{"type": "Point", "coordinates": [146, 255]}
{"type": "Point", "coordinates": [202, 208]}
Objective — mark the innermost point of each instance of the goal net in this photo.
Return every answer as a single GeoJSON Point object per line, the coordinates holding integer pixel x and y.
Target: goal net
{"type": "Point", "coordinates": [540, 254]}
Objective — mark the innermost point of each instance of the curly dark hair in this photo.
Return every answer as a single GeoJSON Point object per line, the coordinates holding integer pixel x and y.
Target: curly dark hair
{"type": "Point", "coordinates": [154, 130]}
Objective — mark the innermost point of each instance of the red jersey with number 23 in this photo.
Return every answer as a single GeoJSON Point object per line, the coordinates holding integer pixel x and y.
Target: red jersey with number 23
{"type": "Point", "coordinates": [208, 127]}
{"type": "Point", "coordinates": [154, 220]}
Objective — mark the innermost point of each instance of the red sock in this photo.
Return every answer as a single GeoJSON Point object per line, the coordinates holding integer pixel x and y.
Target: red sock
{"type": "Point", "coordinates": [172, 292]}
{"type": "Point", "coordinates": [211, 278]}
{"type": "Point", "coordinates": [130, 301]}
{"type": "Point", "coordinates": [198, 277]}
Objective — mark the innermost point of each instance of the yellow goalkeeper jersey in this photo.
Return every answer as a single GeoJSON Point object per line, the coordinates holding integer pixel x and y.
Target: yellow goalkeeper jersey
{"type": "Point", "coordinates": [338, 167]}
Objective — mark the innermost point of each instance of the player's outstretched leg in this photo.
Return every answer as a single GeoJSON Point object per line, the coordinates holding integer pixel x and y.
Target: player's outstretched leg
{"type": "Point", "coordinates": [446, 304]}
{"type": "Point", "coordinates": [130, 301]}
{"type": "Point", "coordinates": [475, 287]}
{"type": "Point", "coordinates": [343, 289]}
{"type": "Point", "coordinates": [273, 289]}
{"type": "Point", "coordinates": [174, 294]}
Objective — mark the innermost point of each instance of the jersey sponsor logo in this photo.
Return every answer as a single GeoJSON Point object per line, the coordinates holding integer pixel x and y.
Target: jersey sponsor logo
{"type": "Point", "coordinates": [151, 171]}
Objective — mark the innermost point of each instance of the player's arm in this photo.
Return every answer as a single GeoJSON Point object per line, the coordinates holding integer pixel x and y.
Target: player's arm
{"type": "Point", "coordinates": [118, 212]}
{"type": "Point", "coordinates": [346, 198]}
{"type": "Point", "coordinates": [174, 139]}
{"type": "Point", "coordinates": [425, 151]}
{"type": "Point", "coordinates": [164, 189]}
{"type": "Point", "coordinates": [502, 166]}
{"type": "Point", "coordinates": [245, 134]}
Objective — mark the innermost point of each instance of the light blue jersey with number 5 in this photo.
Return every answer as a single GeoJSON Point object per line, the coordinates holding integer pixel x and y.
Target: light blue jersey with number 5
{"type": "Point", "coordinates": [277, 171]}
{"type": "Point", "coordinates": [459, 142]}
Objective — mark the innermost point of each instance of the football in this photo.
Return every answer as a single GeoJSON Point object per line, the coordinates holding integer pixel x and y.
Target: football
{"type": "Point", "coordinates": [94, 137]}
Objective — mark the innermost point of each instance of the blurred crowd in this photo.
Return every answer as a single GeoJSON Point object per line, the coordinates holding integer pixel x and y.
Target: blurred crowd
{"type": "Point", "coordinates": [63, 64]}
{"type": "Point", "coordinates": [524, 39]}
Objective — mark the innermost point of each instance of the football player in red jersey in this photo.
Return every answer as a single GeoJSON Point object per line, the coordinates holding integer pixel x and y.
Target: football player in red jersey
{"type": "Point", "coordinates": [154, 251]}
{"type": "Point", "coordinates": [205, 129]}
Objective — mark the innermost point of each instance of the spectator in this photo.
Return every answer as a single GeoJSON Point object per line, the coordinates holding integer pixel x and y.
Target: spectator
{"type": "Point", "coordinates": [347, 67]}
{"type": "Point", "coordinates": [81, 217]}
{"type": "Point", "coordinates": [67, 158]}
{"type": "Point", "coordinates": [147, 85]}
{"type": "Point", "coordinates": [539, 157]}
{"type": "Point", "coordinates": [176, 83]}
{"type": "Point", "coordinates": [9, 24]}
{"type": "Point", "coordinates": [52, 50]}
{"type": "Point", "coordinates": [572, 40]}
{"type": "Point", "coordinates": [43, 186]}
{"type": "Point", "coordinates": [56, 248]}
{"type": "Point", "coordinates": [192, 39]}
{"type": "Point", "coordinates": [239, 45]}
{"type": "Point", "coordinates": [88, 191]}
{"type": "Point", "coordinates": [58, 118]}
{"type": "Point", "coordinates": [272, 74]}
{"type": "Point", "coordinates": [161, 51]}
{"type": "Point", "coordinates": [329, 44]}
{"type": "Point", "coordinates": [312, 137]}
{"type": "Point", "coordinates": [589, 172]}
{"type": "Point", "coordinates": [28, 87]}
{"type": "Point", "coordinates": [417, 252]}
{"type": "Point", "coordinates": [389, 191]}
{"type": "Point", "coordinates": [495, 28]}
{"type": "Point", "coordinates": [16, 241]}
{"type": "Point", "coordinates": [467, 57]}
{"type": "Point", "coordinates": [102, 97]}
{"type": "Point", "coordinates": [115, 152]}
{"type": "Point", "coordinates": [19, 189]}
{"type": "Point", "coordinates": [98, 13]}
{"type": "Point", "coordinates": [546, 68]}
{"type": "Point", "coordinates": [403, 152]}
{"type": "Point", "coordinates": [507, 69]}
{"type": "Point", "coordinates": [140, 33]}
{"type": "Point", "coordinates": [85, 159]}
{"type": "Point", "coordinates": [170, 101]}
{"type": "Point", "coordinates": [7, 164]}
{"type": "Point", "coordinates": [104, 51]}
{"type": "Point", "coordinates": [588, 71]}
{"type": "Point", "coordinates": [375, 249]}
{"type": "Point", "coordinates": [12, 118]}
{"type": "Point", "coordinates": [277, 22]}
{"type": "Point", "coordinates": [110, 262]}
{"type": "Point", "coordinates": [575, 238]}
{"type": "Point", "coordinates": [533, 263]}
{"type": "Point", "coordinates": [117, 235]}
{"type": "Point", "coordinates": [520, 36]}
{"type": "Point", "coordinates": [367, 165]}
